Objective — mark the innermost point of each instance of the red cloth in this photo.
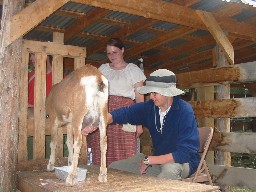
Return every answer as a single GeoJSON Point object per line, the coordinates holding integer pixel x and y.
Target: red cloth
{"type": "Point", "coordinates": [120, 144]}
{"type": "Point", "coordinates": [31, 83]}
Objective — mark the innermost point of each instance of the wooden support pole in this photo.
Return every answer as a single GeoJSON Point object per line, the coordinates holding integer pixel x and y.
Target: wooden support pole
{"type": "Point", "coordinates": [39, 105]}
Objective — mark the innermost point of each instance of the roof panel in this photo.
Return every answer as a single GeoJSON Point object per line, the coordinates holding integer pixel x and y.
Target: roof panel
{"type": "Point", "coordinates": [77, 7]}
{"type": "Point", "coordinates": [244, 15]}
{"type": "Point", "coordinates": [81, 41]}
{"type": "Point", "coordinates": [199, 33]}
{"type": "Point", "coordinates": [164, 26]}
{"type": "Point", "coordinates": [175, 43]}
{"type": "Point", "coordinates": [38, 35]}
{"type": "Point", "coordinates": [101, 29]}
{"type": "Point", "coordinates": [58, 21]}
{"type": "Point", "coordinates": [123, 17]}
{"type": "Point", "coordinates": [141, 36]}
{"type": "Point", "coordinates": [209, 5]}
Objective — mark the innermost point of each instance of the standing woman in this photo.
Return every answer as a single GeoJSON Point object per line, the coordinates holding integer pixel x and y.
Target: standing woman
{"type": "Point", "coordinates": [124, 79]}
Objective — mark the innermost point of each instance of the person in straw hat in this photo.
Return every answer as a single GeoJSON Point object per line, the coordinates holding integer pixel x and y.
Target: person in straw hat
{"type": "Point", "coordinates": [172, 126]}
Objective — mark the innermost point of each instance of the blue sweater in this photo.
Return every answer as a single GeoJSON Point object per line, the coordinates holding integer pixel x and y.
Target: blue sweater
{"type": "Point", "coordinates": [180, 132]}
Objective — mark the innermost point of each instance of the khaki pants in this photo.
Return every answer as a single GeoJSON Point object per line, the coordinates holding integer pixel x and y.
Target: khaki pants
{"type": "Point", "coordinates": [173, 171]}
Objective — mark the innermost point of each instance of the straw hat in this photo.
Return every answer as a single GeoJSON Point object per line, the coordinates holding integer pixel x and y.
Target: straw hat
{"type": "Point", "coordinates": [161, 81]}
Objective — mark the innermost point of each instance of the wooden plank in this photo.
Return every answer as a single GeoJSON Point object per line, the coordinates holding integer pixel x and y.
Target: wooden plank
{"type": "Point", "coordinates": [39, 106]}
{"type": "Point", "coordinates": [31, 16]}
{"type": "Point", "coordinates": [117, 181]}
{"type": "Point", "coordinates": [57, 76]}
{"type": "Point", "coordinates": [51, 48]}
{"type": "Point", "coordinates": [178, 14]}
{"type": "Point", "coordinates": [225, 108]}
{"type": "Point", "coordinates": [244, 72]}
{"type": "Point", "coordinates": [236, 142]}
{"type": "Point", "coordinates": [233, 176]}
{"type": "Point", "coordinates": [218, 34]}
{"type": "Point", "coordinates": [79, 62]}
{"type": "Point", "coordinates": [23, 107]}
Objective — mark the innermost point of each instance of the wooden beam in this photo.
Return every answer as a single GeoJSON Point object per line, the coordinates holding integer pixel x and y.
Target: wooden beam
{"type": "Point", "coordinates": [31, 16]}
{"type": "Point", "coordinates": [225, 108]}
{"type": "Point", "coordinates": [233, 176]}
{"type": "Point", "coordinates": [171, 12]}
{"type": "Point", "coordinates": [245, 72]}
{"type": "Point", "coordinates": [218, 34]}
{"type": "Point", "coordinates": [235, 142]}
{"type": "Point", "coordinates": [51, 48]}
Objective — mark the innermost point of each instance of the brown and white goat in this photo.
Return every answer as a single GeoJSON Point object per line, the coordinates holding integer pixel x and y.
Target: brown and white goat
{"type": "Point", "coordinates": [78, 100]}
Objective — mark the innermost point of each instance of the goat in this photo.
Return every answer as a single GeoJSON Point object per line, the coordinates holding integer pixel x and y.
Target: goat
{"type": "Point", "coordinates": [80, 99]}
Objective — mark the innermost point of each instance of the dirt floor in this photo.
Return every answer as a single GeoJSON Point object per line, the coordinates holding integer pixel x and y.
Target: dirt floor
{"type": "Point", "coordinates": [43, 181]}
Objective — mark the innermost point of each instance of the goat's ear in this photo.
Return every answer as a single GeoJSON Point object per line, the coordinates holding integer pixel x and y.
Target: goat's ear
{"type": "Point", "coordinates": [47, 116]}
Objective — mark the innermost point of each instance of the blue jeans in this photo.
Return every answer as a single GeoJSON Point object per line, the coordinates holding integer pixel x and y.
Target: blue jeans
{"type": "Point", "coordinates": [173, 171]}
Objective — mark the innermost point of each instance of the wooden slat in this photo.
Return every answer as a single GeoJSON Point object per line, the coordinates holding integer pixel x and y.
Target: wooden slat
{"type": "Point", "coordinates": [23, 106]}
{"type": "Point", "coordinates": [236, 142]}
{"type": "Point", "coordinates": [39, 105]}
{"type": "Point", "coordinates": [218, 34]}
{"type": "Point", "coordinates": [225, 108]}
{"type": "Point", "coordinates": [51, 48]}
{"type": "Point", "coordinates": [30, 16]}
{"type": "Point", "coordinates": [233, 176]}
{"type": "Point", "coordinates": [178, 14]}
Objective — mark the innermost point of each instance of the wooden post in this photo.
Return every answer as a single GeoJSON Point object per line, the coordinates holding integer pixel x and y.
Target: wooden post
{"type": "Point", "coordinates": [39, 105]}
{"type": "Point", "coordinates": [57, 76]}
{"type": "Point", "coordinates": [222, 124]}
{"type": "Point", "coordinates": [23, 108]}
{"type": "Point", "coordinates": [10, 62]}
{"type": "Point", "coordinates": [206, 93]}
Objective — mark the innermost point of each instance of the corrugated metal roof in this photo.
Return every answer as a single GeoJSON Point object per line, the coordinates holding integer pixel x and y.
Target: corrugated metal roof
{"type": "Point", "coordinates": [208, 5]}
{"type": "Point", "coordinates": [101, 29]}
{"type": "Point", "coordinates": [151, 52]}
{"type": "Point", "coordinates": [77, 7]}
{"type": "Point", "coordinates": [38, 35]}
{"type": "Point", "coordinates": [123, 17]}
{"type": "Point", "coordinates": [164, 26]}
{"type": "Point", "coordinates": [58, 21]}
{"type": "Point", "coordinates": [97, 57]}
{"type": "Point", "coordinates": [175, 43]}
{"type": "Point", "coordinates": [81, 41]}
{"type": "Point", "coordinates": [204, 48]}
{"type": "Point", "coordinates": [244, 15]}
{"type": "Point", "coordinates": [141, 36]}
{"type": "Point", "coordinates": [199, 33]}
{"type": "Point", "coordinates": [178, 57]}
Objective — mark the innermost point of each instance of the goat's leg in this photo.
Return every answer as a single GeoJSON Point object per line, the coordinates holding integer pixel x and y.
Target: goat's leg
{"type": "Point", "coordinates": [53, 144]}
{"type": "Point", "coordinates": [71, 178]}
{"type": "Point", "coordinates": [103, 145]}
{"type": "Point", "coordinates": [69, 143]}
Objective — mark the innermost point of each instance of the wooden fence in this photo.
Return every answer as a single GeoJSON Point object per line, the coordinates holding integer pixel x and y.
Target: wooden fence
{"type": "Point", "coordinates": [33, 124]}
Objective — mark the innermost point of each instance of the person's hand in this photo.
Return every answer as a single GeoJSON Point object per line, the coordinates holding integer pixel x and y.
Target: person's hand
{"type": "Point", "coordinates": [139, 130]}
{"type": "Point", "coordinates": [143, 167]}
{"type": "Point", "coordinates": [89, 129]}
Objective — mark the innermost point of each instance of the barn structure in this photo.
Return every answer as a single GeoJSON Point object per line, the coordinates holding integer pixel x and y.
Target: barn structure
{"type": "Point", "coordinates": [209, 44]}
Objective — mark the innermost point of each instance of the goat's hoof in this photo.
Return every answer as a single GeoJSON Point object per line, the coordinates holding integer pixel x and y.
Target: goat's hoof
{"type": "Point", "coordinates": [70, 180]}
{"type": "Point", "coordinates": [102, 178]}
{"type": "Point", "coordinates": [50, 167]}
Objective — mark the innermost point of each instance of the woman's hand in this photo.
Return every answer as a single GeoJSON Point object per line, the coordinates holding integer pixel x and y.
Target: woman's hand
{"type": "Point", "coordinates": [139, 130]}
{"type": "Point", "coordinates": [89, 129]}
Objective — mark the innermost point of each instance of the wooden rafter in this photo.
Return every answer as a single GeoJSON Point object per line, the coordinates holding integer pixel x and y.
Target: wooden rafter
{"type": "Point", "coordinates": [218, 34]}
{"type": "Point", "coordinates": [31, 16]}
{"type": "Point", "coordinates": [172, 13]}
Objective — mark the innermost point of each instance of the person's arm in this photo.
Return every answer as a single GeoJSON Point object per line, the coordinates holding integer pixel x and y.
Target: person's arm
{"type": "Point", "coordinates": [138, 98]}
{"type": "Point", "coordinates": [156, 160]}
{"type": "Point", "coordinates": [89, 129]}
